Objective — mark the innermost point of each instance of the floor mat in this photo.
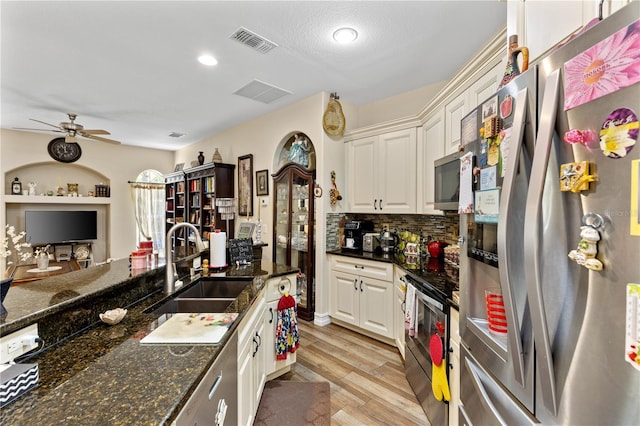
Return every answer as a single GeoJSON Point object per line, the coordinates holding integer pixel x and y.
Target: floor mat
{"type": "Point", "coordinates": [293, 403]}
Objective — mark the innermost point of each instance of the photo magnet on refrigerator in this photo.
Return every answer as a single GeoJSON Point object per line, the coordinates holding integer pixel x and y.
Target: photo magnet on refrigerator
{"type": "Point", "coordinates": [619, 133]}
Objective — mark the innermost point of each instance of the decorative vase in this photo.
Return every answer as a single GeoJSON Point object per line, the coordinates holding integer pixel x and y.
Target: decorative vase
{"type": "Point", "coordinates": [201, 158]}
{"type": "Point", "coordinates": [4, 289]}
{"type": "Point", "coordinates": [217, 158]}
{"type": "Point", "coordinates": [513, 70]}
{"type": "Point", "coordinates": [42, 262]}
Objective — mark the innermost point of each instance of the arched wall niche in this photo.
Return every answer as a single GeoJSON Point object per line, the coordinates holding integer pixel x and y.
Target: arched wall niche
{"type": "Point", "coordinates": [284, 148]}
{"type": "Point", "coordinates": [48, 175]}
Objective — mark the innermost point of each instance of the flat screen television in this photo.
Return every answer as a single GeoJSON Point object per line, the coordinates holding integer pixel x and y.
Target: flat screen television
{"type": "Point", "coordinates": [60, 226]}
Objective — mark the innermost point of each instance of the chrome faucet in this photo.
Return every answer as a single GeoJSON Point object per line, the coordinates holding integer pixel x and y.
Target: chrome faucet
{"type": "Point", "coordinates": [170, 273]}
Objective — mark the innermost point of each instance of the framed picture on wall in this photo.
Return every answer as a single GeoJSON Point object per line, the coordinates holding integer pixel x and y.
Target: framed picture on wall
{"type": "Point", "coordinates": [262, 182]}
{"type": "Point", "coordinates": [245, 185]}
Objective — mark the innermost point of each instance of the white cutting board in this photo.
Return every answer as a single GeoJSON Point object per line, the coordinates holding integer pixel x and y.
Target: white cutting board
{"type": "Point", "coordinates": [191, 329]}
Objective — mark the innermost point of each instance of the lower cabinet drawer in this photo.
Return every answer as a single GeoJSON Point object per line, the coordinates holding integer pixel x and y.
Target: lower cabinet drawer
{"type": "Point", "coordinates": [366, 268]}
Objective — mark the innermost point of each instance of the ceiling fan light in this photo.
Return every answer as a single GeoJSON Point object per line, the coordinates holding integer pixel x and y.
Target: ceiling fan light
{"type": "Point", "coordinates": [345, 35]}
{"type": "Point", "coordinates": [207, 60]}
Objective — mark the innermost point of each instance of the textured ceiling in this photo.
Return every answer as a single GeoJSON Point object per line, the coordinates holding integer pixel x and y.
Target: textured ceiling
{"type": "Point", "coordinates": [130, 67]}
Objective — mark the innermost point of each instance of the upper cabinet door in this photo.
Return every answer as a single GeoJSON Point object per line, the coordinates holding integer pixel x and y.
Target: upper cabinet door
{"type": "Point", "coordinates": [485, 86]}
{"type": "Point", "coordinates": [431, 149]}
{"type": "Point", "coordinates": [397, 178]}
{"type": "Point", "coordinates": [454, 110]}
{"type": "Point", "coordinates": [361, 174]}
{"type": "Point", "coordinates": [381, 173]}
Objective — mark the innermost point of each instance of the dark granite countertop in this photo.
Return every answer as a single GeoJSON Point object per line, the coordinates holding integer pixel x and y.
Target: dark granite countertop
{"type": "Point", "coordinates": [101, 374]}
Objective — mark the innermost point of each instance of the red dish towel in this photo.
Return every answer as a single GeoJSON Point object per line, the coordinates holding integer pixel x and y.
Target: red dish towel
{"type": "Point", "coordinates": [287, 335]}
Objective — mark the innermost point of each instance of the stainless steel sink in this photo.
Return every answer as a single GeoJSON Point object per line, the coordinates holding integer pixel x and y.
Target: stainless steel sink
{"type": "Point", "coordinates": [205, 296]}
{"type": "Point", "coordinates": [213, 289]}
{"type": "Point", "coordinates": [195, 305]}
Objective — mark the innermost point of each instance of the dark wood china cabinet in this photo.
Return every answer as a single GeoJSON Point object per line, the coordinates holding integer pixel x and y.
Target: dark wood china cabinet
{"type": "Point", "coordinates": [293, 229]}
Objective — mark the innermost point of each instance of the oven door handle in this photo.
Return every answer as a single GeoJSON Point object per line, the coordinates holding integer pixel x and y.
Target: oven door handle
{"type": "Point", "coordinates": [428, 300]}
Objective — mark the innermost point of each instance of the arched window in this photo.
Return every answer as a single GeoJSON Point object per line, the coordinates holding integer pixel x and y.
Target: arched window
{"type": "Point", "coordinates": [148, 197]}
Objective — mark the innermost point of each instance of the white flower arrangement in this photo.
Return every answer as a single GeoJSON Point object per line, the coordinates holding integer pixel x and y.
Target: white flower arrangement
{"type": "Point", "coordinates": [41, 251]}
{"type": "Point", "coordinates": [14, 246]}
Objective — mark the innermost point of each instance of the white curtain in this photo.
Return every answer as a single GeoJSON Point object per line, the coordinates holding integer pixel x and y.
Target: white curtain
{"type": "Point", "coordinates": [148, 200]}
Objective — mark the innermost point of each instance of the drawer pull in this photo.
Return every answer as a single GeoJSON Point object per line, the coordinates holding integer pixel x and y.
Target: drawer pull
{"type": "Point", "coordinates": [358, 266]}
{"type": "Point", "coordinates": [215, 385]}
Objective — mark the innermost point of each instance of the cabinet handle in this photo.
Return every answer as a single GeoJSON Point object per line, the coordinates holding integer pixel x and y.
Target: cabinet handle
{"type": "Point", "coordinates": [375, 204]}
{"type": "Point", "coordinates": [355, 284]}
{"type": "Point", "coordinates": [403, 306]}
{"type": "Point", "coordinates": [215, 385]}
{"type": "Point", "coordinates": [257, 345]}
{"type": "Point", "coordinates": [361, 285]}
{"type": "Point", "coordinates": [358, 266]}
{"type": "Point", "coordinates": [271, 319]}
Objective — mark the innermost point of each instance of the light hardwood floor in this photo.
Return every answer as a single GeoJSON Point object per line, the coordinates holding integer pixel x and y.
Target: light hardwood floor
{"type": "Point", "coordinates": [368, 385]}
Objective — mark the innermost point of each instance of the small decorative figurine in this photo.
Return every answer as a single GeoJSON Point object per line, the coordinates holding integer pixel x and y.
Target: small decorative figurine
{"type": "Point", "coordinates": [299, 152]}
{"type": "Point", "coordinates": [585, 253]}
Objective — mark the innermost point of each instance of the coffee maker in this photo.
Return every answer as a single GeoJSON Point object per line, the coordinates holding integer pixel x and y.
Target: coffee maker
{"type": "Point", "coordinates": [354, 231]}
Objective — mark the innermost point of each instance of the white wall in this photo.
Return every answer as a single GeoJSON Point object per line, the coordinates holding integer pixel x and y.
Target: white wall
{"type": "Point", "coordinates": [119, 163]}
{"type": "Point", "coordinates": [263, 137]}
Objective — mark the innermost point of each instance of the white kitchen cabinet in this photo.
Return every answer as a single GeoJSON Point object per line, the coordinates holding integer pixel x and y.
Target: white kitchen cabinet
{"type": "Point", "coordinates": [484, 87]}
{"type": "Point", "coordinates": [251, 362]}
{"type": "Point", "coordinates": [544, 26]}
{"type": "Point", "coordinates": [431, 149]}
{"type": "Point", "coordinates": [361, 294]}
{"type": "Point", "coordinates": [381, 173]}
{"type": "Point", "coordinates": [454, 111]}
{"type": "Point", "coordinates": [454, 363]}
{"type": "Point", "coordinates": [399, 289]}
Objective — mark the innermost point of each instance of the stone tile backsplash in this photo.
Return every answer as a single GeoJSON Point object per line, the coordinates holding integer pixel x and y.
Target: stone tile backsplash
{"type": "Point", "coordinates": [443, 227]}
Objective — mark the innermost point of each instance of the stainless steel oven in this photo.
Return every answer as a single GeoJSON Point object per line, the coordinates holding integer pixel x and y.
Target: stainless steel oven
{"type": "Point", "coordinates": [431, 319]}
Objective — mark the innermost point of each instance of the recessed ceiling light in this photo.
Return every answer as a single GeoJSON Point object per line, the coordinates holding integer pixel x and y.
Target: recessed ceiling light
{"type": "Point", "coordinates": [207, 60]}
{"type": "Point", "coordinates": [345, 35]}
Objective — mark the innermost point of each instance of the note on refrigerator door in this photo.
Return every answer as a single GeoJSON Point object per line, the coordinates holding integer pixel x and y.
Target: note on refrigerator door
{"type": "Point", "coordinates": [465, 203]}
{"type": "Point", "coordinates": [632, 332]}
{"type": "Point", "coordinates": [505, 142]}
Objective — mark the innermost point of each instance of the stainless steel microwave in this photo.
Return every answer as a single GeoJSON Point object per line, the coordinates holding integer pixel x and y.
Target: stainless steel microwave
{"type": "Point", "coordinates": [447, 182]}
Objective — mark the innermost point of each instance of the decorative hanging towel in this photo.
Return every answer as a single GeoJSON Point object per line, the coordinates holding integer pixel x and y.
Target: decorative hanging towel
{"type": "Point", "coordinates": [287, 335]}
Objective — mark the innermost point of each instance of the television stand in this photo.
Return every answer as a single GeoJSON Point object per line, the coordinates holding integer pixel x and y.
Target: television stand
{"type": "Point", "coordinates": [79, 251]}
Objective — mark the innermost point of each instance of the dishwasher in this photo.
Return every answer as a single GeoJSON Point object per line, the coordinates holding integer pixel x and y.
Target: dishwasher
{"type": "Point", "coordinates": [215, 400]}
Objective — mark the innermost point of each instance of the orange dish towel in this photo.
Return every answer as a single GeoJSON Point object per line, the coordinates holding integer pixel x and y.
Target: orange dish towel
{"type": "Point", "coordinates": [287, 334]}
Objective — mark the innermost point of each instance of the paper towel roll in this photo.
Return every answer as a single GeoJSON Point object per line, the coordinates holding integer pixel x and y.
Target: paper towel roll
{"type": "Point", "coordinates": [218, 249]}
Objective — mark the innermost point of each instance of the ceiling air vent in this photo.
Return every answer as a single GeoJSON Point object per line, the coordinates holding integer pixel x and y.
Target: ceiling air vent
{"type": "Point", "coordinates": [261, 92]}
{"type": "Point", "coordinates": [253, 40]}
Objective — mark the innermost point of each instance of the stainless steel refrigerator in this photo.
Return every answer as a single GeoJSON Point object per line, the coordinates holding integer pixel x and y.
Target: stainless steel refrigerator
{"type": "Point", "coordinates": [550, 283]}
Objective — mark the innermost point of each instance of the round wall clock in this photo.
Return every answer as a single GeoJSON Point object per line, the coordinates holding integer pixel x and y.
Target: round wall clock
{"type": "Point", "coordinates": [64, 152]}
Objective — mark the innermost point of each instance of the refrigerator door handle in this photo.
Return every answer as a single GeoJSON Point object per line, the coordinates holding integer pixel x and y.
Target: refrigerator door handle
{"type": "Point", "coordinates": [533, 219]}
{"type": "Point", "coordinates": [505, 238]}
{"type": "Point", "coordinates": [484, 396]}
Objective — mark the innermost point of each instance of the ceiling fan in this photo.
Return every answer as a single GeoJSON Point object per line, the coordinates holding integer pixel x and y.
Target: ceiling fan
{"type": "Point", "coordinates": [73, 129]}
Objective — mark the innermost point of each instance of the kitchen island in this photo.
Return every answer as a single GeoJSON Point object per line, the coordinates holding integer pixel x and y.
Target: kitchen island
{"type": "Point", "coordinates": [101, 374]}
